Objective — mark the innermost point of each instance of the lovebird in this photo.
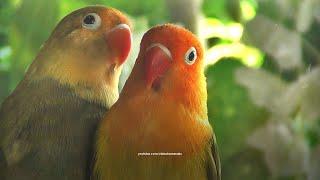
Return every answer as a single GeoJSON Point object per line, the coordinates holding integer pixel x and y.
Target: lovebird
{"type": "Point", "coordinates": [47, 124]}
{"type": "Point", "coordinates": [159, 128]}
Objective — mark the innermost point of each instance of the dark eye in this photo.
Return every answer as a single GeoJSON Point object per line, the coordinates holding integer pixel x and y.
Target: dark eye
{"type": "Point", "coordinates": [190, 56]}
{"type": "Point", "coordinates": [91, 21]}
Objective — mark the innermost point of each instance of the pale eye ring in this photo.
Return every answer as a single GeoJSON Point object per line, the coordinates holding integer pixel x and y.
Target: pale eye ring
{"type": "Point", "coordinates": [91, 21]}
{"type": "Point", "coordinates": [190, 56]}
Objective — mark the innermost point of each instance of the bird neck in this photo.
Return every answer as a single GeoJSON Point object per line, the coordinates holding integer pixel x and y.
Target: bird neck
{"type": "Point", "coordinates": [96, 86]}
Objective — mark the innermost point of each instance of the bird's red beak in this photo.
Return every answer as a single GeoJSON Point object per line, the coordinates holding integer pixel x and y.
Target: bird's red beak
{"type": "Point", "coordinates": [157, 62]}
{"type": "Point", "coordinates": [119, 40]}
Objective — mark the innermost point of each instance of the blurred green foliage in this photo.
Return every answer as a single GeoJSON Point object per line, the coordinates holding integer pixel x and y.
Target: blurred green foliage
{"type": "Point", "coordinates": [263, 69]}
{"type": "Point", "coordinates": [229, 101]}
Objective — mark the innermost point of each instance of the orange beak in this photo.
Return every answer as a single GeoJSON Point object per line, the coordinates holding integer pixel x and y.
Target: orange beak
{"type": "Point", "coordinates": [119, 40]}
{"type": "Point", "coordinates": [157, 60]}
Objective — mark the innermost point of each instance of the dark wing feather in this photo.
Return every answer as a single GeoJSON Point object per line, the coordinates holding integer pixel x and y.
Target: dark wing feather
{"type": "Point", "coordinates": [2, 165]}
{"type": "Point", "coordinates": [213, 165]}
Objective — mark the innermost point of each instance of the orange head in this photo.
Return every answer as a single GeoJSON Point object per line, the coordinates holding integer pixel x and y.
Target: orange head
{"type": "Point", "coordinates": [170, 64]}
{"type": "Point", "coordinates": [86, 51]}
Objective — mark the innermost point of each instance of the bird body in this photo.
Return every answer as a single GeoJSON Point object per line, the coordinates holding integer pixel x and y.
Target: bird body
{"type": "Point", "coordinates": [155, 130]}
{"type": "Point", "coordinates": [47, 136]}
{"type": "Point", "coordinates": [48, 122]}
{"type": "Point", "coordinates": [159, 129]}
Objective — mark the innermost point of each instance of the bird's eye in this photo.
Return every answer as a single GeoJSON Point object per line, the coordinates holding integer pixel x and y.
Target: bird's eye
{"type": "Point", "coordinates": [190, 56]}
{"type": "Point", "coordinates": [91, 21]}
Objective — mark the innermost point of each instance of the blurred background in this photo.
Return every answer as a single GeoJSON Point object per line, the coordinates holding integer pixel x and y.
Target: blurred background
{"type": "Point", "coordinates": [262, 71]}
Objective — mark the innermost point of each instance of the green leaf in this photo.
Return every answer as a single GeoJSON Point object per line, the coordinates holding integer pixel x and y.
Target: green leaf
{"type": "Point", "coordinates": [216, 8]}
{"type": "Point", "coordinates": [263, 87]}
{"type": "Point", "coordinates": [276, 40]}
{"type": "Point", "coordinates": [286, 153]}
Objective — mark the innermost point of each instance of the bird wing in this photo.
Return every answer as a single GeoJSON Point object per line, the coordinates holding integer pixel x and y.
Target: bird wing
{"type": "Point", "coordinates": [15, 115]}
{"type": "Point", "coordinates": [34, 123]}
{"type": "Point", "coordinates": [2, 164]}
{"type": "Point", "coordinates": [213, 165]}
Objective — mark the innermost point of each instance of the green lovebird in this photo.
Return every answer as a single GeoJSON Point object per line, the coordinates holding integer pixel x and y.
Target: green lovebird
{"type": "Point", "coordinates": [47, 124]}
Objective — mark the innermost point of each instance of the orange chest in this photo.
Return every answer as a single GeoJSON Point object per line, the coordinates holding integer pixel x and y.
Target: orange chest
{"type": "Point", "coordinates": [164, 141]}
{"type": "Point", "coordinates": [166, 132]}
{"type": "Point", "coordinates": [154, 167]}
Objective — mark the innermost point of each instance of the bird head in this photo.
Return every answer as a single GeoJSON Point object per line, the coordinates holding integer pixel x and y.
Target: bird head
{"type": "Point", "coordinates": [171, 61]}
{"type": "Point", "coordinates": [86, 51]}
{"type": "Point", "coordinates": [95, 31]}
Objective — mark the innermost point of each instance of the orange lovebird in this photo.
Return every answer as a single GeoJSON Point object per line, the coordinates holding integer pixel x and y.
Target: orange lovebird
{"type": "Point", "coordinates": [47, 124]}
{"type": "Point", "coordinates": [159, 128]}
